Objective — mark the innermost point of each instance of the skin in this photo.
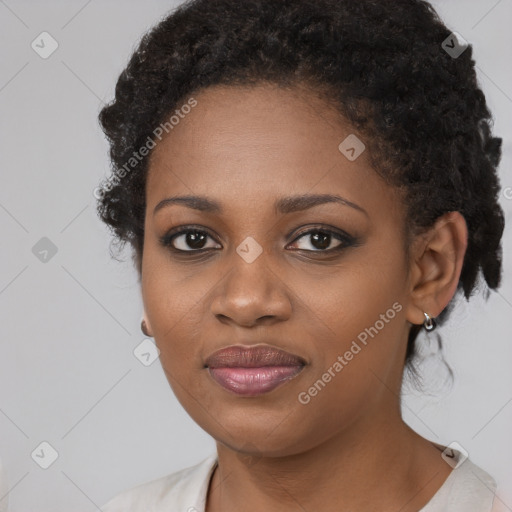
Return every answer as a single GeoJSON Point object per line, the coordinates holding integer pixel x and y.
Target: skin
{"type": "Point", "coordinates": [246, 147]}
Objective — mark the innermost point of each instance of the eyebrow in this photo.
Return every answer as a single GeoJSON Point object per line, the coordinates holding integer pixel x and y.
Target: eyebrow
{"type": "Point", "coordinates": [283, 205]}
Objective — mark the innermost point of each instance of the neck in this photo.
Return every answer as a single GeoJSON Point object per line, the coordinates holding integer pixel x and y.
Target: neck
{"type": "Point", "coordinates": [374, 465]}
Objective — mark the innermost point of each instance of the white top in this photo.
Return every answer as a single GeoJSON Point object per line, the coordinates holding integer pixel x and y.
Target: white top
{"type": "Point", "coordinates": [468, 488]}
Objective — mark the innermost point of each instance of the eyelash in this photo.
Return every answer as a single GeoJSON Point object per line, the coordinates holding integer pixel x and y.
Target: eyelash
{"type": "Point", "coordinates": [345, 239]}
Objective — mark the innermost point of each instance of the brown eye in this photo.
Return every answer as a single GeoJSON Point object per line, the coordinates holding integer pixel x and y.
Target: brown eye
{"type": "Point", "coordinates": [187, 240]}
{"type": "Point", "coordinates": [323, 240]}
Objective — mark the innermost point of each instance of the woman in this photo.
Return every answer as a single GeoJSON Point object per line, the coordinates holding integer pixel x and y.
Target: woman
{"type": "Point", "coordinates": [306, 185]}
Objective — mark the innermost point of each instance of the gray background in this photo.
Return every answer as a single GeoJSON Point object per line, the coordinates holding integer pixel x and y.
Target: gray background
{"type": "Point", "coordinates": [69, 326]}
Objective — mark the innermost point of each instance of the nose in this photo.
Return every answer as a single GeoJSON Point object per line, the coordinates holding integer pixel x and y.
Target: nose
{"type": "Point", "coordinates": [252, 293]}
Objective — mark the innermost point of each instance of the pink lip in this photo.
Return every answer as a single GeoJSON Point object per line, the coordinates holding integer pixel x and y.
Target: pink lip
{"type": "Point", "coordinates": [253, 370]}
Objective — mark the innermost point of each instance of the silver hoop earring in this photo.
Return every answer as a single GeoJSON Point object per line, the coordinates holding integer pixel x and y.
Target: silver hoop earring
{"type": "Point", "coordinates": [429, 322]}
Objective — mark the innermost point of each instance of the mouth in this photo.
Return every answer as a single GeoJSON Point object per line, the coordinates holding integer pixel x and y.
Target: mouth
{"type": "Point", "coordinates": [252, 371]}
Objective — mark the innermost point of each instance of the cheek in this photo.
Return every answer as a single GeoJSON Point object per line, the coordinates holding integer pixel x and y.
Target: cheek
{"type": "Point", "coordinates": [368, 287]}
{"type": "Point", "coordinates": [174, 301]}
{"type": "Point", "coordinates": [175, 309]}
{"type": "Point", "coordinates": [361, 313]}
{"type": "Point", "coordinates": [353, 371]}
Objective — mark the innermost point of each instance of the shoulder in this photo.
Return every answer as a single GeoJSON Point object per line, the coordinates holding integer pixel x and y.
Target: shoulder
{"type": "Point", "coordinates": [468, 488]}
{"type": "Point", "coordinates": [183, 490]}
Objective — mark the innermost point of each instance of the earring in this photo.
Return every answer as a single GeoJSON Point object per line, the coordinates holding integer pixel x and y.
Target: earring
{"type": "Point", "coordinates": [144, 328]}
{"type": "Point", "coordinates": [429, 322]}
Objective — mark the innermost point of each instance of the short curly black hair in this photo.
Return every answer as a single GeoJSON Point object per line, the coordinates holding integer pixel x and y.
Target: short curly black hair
{"type": "Point", "coordinates": [381, 63]}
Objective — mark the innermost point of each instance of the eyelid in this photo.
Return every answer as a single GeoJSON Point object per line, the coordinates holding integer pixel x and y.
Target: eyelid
{"type": "Point", "coordinates": [324, 229]}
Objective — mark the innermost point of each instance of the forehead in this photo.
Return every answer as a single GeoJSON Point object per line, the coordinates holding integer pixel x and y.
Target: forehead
{"type": "Point", "coordinates": [246, 143]}
{"type": "Point", "coordinates": [230, 120]}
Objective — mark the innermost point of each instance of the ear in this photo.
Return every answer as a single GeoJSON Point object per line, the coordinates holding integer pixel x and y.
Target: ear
{"type": "Point", "coordinates": [145, 323]}
{"type": "Point", "coordinates": [436, 263]}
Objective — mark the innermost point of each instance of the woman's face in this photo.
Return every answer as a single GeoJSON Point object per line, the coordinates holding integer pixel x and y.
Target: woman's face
{"type": "Point", "coordinates": [337, 302]}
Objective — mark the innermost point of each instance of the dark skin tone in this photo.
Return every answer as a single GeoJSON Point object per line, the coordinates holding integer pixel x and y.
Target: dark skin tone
{"type": "Point", "coordinates": [348, 447]}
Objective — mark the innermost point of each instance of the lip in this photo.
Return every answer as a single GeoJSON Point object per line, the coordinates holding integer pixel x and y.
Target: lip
{"type": "Point", "coordinates": [254, 370]}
